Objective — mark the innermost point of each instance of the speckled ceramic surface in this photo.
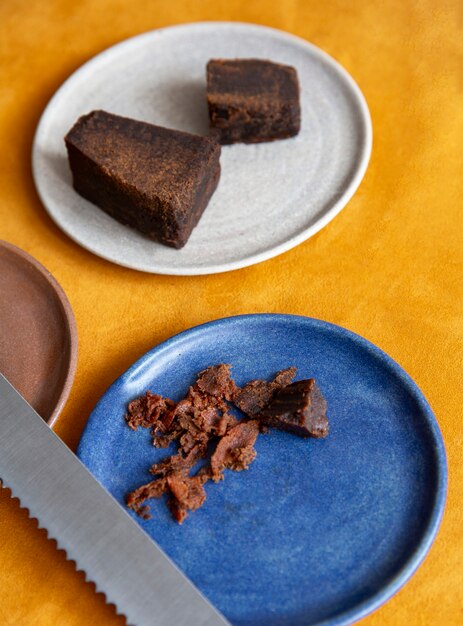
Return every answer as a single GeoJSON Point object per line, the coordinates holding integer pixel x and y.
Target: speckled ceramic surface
{"type": "Point", "coordinates": [38, 336]}
{"type": "Point", "coordinates": [271, 196]}
{"type": "Point", "coordinates": [316, 531]}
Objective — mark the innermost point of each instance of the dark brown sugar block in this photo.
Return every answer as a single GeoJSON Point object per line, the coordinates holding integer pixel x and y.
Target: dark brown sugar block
{"type": "Point", "coordinates": [299, 408]}
{"type": "Point", "coordinates": [252, 100]}
{"type": "Point", "coordinates": [154, 179]}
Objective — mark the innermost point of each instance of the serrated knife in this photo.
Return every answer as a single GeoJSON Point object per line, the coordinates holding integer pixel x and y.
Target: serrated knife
{"type": "Point", "coordinates": [89, 524]}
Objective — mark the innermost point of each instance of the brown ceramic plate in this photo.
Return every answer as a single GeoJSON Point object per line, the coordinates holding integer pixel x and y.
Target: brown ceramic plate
{"type": "Point", "coordinates": [38, 336]}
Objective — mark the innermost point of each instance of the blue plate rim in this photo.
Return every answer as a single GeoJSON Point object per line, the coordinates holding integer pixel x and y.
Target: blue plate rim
{"type": "Point", "coordinates": [416, 559]}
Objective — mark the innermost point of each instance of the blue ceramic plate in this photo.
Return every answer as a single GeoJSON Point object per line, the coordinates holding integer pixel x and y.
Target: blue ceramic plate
{"type": "Point", "coordinates": [316, 531]}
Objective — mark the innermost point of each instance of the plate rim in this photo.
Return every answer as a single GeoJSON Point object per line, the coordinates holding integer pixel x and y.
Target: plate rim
{"type": "Point", "coordinates": [252, 259]}
{"type": "Point", "coordinates": [68, 316]}
{"type": "Point", "coordinates": [429, 534]}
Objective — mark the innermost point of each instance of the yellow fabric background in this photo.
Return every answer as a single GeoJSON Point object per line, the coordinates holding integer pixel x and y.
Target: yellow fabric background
{"type": "Point", "coordinates": [388, 267]}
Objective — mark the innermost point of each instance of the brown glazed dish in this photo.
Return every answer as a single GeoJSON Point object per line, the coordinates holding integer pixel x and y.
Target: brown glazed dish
{"type": "Point", "coordinates": [157, 180]}
{"type": "Point", "coordinates": [38, 336]}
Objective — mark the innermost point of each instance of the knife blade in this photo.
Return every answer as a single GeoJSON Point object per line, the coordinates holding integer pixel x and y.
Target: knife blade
{"type": "Point", "coordinates": [90, 525]}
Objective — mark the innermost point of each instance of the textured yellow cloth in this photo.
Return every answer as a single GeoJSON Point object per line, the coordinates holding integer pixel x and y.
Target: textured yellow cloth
{"type": "Point", "coordinates": [389, 267]}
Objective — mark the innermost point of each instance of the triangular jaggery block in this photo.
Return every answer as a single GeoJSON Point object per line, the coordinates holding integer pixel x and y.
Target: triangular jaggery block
{"type": "Point", "coordinates": [154, 179]}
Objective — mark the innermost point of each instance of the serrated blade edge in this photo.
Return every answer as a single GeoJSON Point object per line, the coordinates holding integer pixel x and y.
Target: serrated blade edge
{"type": "Point", "coordinates": [90, 526]}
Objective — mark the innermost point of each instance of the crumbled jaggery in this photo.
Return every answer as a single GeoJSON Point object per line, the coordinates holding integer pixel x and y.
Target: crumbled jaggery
{"type": "Point", "coordinates": [202, 425]}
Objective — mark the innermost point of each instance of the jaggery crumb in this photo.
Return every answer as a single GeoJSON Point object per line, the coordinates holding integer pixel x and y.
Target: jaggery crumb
{"type": "Point", "coordinates": [187, 494]}
{"type": "Point", "coordinates": [235, 450]}
{"type": "Point", "coordinates": [146, 410]}
{"type": "Point", "coordinates": [136, 499]}
{"type": "Point", "coordinates": [217, 381]}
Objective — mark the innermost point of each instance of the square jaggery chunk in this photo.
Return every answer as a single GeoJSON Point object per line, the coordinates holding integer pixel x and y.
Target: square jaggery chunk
{"type": "Point", "coordinates": [154, 179]}
{"type": "Point", "coordinates": [298, 408]}
{"type": "Point", "coordinates": [252, 100]}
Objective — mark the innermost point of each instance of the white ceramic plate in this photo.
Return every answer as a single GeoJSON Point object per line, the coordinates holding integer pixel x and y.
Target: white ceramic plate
{"type": "Point", "coordinates": [271, 196]}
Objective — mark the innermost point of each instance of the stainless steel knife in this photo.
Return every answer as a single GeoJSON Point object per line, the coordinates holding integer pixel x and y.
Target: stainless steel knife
{"type": "Point", "coordinates": [90, 525]}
